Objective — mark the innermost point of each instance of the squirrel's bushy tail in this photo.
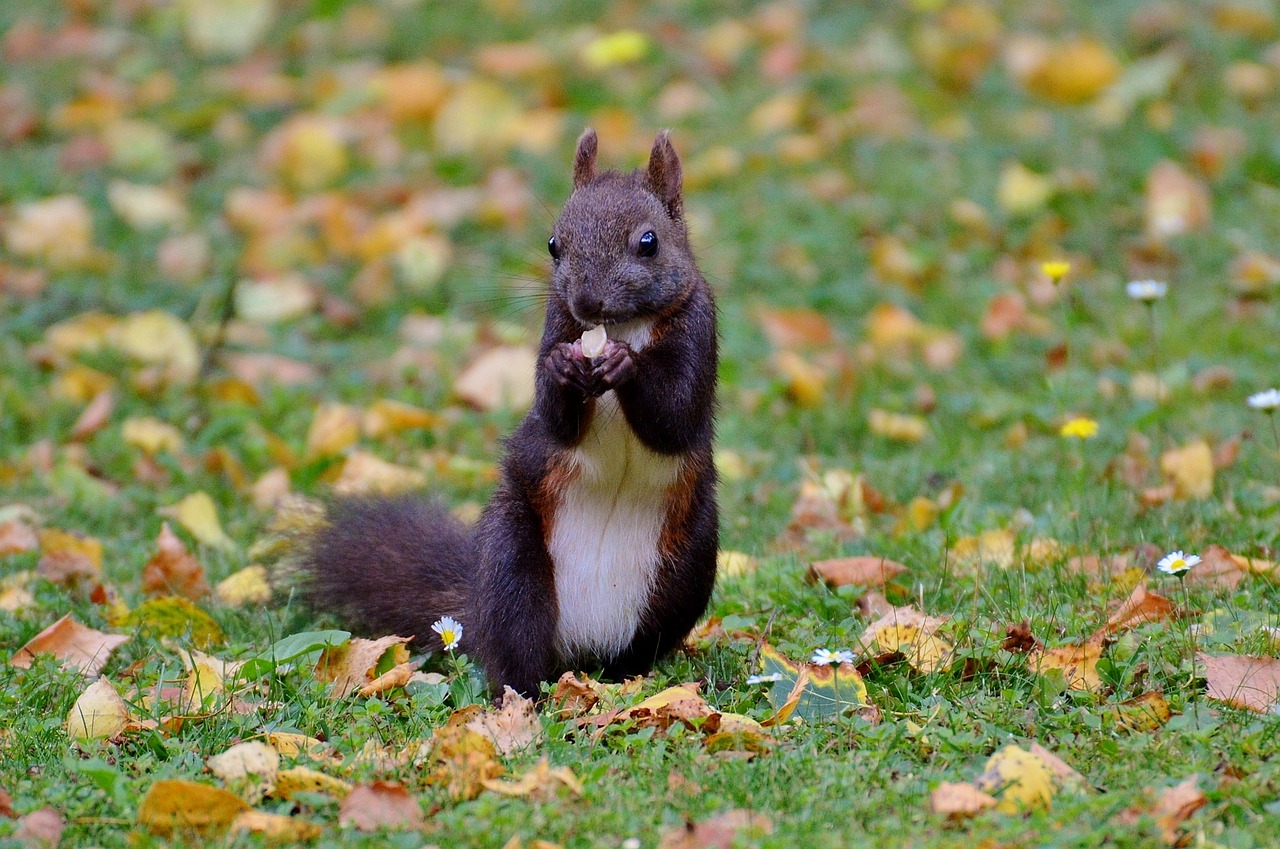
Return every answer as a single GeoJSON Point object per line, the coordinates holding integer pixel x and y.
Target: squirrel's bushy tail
{"type": "Point", "coordinates": [391, 565]}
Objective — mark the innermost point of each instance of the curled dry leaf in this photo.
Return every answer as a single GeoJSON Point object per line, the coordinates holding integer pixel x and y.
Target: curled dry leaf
{"type": "Point", "coordinates": [382, 804]}
{"type": "Point", "coordinates": [1019, 639]}
{"type": "Point", "coordinates": [461, 760]}
{"type": "Point", "coordinates": [1252, 683]}
{"type": "Point", "coordinates": [352, 665]}
{"type": "Point", "coordinates": [574, 695]}
{"type": "Point", "coordinates": [543, 783]}
{"type": "Point", "coordinates": [719, 832]}
{"type": "Point", "coordinates": [291, 745]}
{"type": "Point", "coordinates": [172, 570]}
{"type": "Point", "coordinates": [173, 805]}
{"type": "Point", "coordinates": [512, 727]}
{"type": "Point", "coordinates": [99, 713]}
{"type": "Point", "coordinates": [959, 799]}
{"type": "Point", "coordinates": [396, 676]}
{"type": "Point", "coordinates": [865, 570]}
{"type": "Point", "coordinates": [75, 646]}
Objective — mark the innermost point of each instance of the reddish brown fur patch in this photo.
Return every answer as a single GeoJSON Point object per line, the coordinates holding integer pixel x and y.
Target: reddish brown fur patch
{"type": "Point", "coordinates": [546, 501]}
{"type": "Point", "coordinates": [675, 529]}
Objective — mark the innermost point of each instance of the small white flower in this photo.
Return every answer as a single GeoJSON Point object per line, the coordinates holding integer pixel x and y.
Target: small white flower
{"type": "Point", "coordinates": [1177, 563]}
{"type": "Point", "coordinates": [764, 679]}
{"type": "Point", "coordinates": [825, 657]}
{"type": "Point", "coordinates": [1147, 291]}
{"type": "Point", "coordinates": [450, 631]}
{"type": "Point", "coordinates": [1268, 400]}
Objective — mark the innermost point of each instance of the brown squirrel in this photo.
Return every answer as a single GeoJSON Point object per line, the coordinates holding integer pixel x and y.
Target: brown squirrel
{"type": "Point", "coordinates": [599, 545]}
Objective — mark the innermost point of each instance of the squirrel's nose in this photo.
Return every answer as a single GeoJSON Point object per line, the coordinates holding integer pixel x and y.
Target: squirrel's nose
{"type": "Point", "coordinates": [587, 305]}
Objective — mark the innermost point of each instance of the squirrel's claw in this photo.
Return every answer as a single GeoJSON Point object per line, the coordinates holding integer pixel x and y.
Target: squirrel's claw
{"type": "Point", "coordinates": [615, 366]}
{"type": "Point", "coordinates": [568, 368]}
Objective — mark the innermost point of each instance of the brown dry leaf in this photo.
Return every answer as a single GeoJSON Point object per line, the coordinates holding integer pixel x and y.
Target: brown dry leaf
{"type": "Point", "coordinates": [94, 417]}
{"type": "Point", "coordinates": [75, 646]}
{"type": "Point", "coordinates": [543, 783]}
{"type": "Point", "coordinates": [461, 760]}
{"type": "Point", "coordinates": [834, 505]}
{"type": "Point", "coordinates": [719, 832]}
{"type": "Point", "coordinates": [787, 329]}
{"type": "Point", "coordinates": [17, 537]}
{"type": "Point", "coordinates": [681, 703]}
{"type": "Point", "coordinates": [99, 713]}
{"type": "Point", "coordinates": [396, 676]}
{"type": "Point", "coordinates": [1170, 809]}
{"type": "Point", "coordinates": [351, 666]}
{"type": "Point", "coordinates": [199, 515]}
{"type": "Point", "coordinates": [1176, 202]}
{"type": "Point", "coordinates": [40, 829]}
{"type": "Point", "coordinates": [1189, 469]}
{"type": "Point", "coordinates": [382, 804]}
{"type": "Point", "coordinates": [864, 570]}
{"type": "Point", "coordinates": [1217, 568]}
{"type": "Point", "coordinates": [173, 805]}
{"type": "Point", "coordinates": [574, 695]}
{"type": "Point", "coordinates": [1139, 608]}
{"type": "Point", "coordinates": [367, 474]}
{"type": "Point", "coordinates": [67, 559]}
{"type": "Point", "coordinates": [499, 378]}
{"type": "Point", "coordinates": [1243, 682]}
{"type": "Point", "coordinates": [385, 417]}
{"type": "Point", "coordinates": [276, 828]}
{"type": "Point", "coordinates": [172, 570]}
{"type": "Point", "coordinates": [512, 727]}
{"type": "Point", "coordinates": [959, 799]}
{"type": "Point", "coordinates": [1019, 639]}
{"type": "Point", "coordinates": [1078, 663]}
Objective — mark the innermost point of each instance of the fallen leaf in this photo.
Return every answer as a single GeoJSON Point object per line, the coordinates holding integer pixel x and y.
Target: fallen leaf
{"type": "Point", "coordinates": [17, 537]}
{"type": "Point", "coordinates": [574, 695]}
{"type": "Point", "coordinates": [1217, 568]}
{"type": "Point", "coordinates": [735, 564]}
{"type": "Point", "coordinates": [249, 586]}
{"type": "Point", "coordinates": [385, 417]}
{"type": "Point", "coordinates": [249, 769]}
{"type": "Point", "coordinates": [151, 435]}
{"type": "Point", "coordinates": [352, 665]}
{"type": "Point", "coordinates": [1018, 779]}
{"type": "Point", "coordinates": [924, 650]}
{"type": "Point", "coordinates": [808, 691]}
{"type": "Point", "coordinates": [291, 745]}
{"type": "Point", "coordinates": [512, 727]}
{"type": "Point", "coordinates": [543, 783]}
{"type": "Point", "coordinates": [301, 779]}
{"type": "Point", "coordinates": [40, 829]}
{"type": "Point", "coordinates": [806, 383]}
{"type": "Point", "coordinates": [959, 799]}
{"type": "Point", "coordinates": [1146, 712]}
{"type": "Point", "coordinates": [1021, 191]}
{"type": "Point", "coordinates": [787, 329]}
{"type": "Point", "coordinates": [173, 805]}
{"type": "Point", "coordinates": [57, 231]}
{"type": "Point", "coordinates": [367, 474]}
{"type": "Point", "coordinates": [680, 704]}
{"type": "Point", "coordinates": [1073, 71]}
{"type": "Point", "coordinates": [1077, 663]}
{"type": "Point", "coordinates": [1019, 639]}
{"type": "Point", "coordinates": [172, 570]}
{"type": "Point", "coordinates": [99, 713]}
{"type": "Point", "coordinates": [1190, 470]}
{"type": "Point", "coordinates": [69, 559]}
{"type": "Point", "coordinates": [499, 378]}
{"type": "Point", "coordinates": [75, 646]}
{"type": "Point", "coordinates": [160, 339]}
{"type": "Point", "coordinates": [864, 570]}
{"type": "Point", "coordinates": [1252, 683]}
{"type": "Point", "coordinates": [990, 548]}
{"type": "Point", "coordinates": [397, 676]}
{"type": "Point", "coordinates": [1139, 608]}
{"type": "Point", "coordinates": [175, 617]}
{"type": "Point", "coordinates": [1173, 806]}
{"type": "Point", "coordinates": [719, 832]}
{"type": "Point", "coordinates": [334, 429]}
{"type": "Point", "coordinates": [275, 299]}
{"type": "Point", "coordinates": [900, 427]}
{"type": "Point", "coordinates": [94, 417]}
{"type": "Point", "coordinates": [460, 760]}
{"type": "Point", "coordinates": [1177, 203]}
{"type": "Point", "coordinates": [276, 828]}
{"type": "Point", "coordinates": [199, 515]}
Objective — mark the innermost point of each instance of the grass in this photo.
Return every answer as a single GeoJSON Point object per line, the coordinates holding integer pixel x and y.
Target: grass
{"type": "Point", "coordinates": [768, 234]}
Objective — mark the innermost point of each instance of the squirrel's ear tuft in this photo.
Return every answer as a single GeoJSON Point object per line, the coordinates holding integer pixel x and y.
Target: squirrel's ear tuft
{"type": "Point", "coordinates": [584, 161]}
{"type": "Point", "coordinates": [665, 174]}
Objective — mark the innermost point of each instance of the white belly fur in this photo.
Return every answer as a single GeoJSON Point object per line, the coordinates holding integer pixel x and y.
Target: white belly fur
{"type": "Point", "coordinates": [604, 540]}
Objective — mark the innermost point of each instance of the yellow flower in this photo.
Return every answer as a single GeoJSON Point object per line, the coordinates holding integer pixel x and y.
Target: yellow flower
{"type": "Point", "coordinates": [1056, 270]}
{"type": "Point", "coordinates": [1079, 428]}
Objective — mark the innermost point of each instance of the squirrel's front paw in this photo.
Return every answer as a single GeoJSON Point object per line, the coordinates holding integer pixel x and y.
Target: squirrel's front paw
{"type": "Point", "coordinates": [568, 368]}
{"type": "Point", "coordinates": [615, 366]}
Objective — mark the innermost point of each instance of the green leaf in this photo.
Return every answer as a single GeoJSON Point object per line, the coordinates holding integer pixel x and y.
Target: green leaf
{"type": "Point", "coordinates": [826, 691]}
{"type": "Point", "coordinates": [302, 649]}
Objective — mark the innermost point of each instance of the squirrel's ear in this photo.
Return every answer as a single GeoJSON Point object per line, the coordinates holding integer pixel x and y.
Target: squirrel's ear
{"type": "Point", "coordinates": [666, 175]}
{"type": "Point", "coordinates": [584, 161]}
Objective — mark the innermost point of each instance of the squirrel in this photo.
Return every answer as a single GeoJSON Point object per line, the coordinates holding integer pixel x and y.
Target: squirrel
{"type": "Point", "coordinates": [598, 547]}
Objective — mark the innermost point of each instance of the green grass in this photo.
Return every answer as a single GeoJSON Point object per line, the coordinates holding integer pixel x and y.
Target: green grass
{"type": "Point", "coordinates": [766, 235]}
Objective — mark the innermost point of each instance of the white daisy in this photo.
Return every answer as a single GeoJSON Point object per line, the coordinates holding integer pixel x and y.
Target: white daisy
{"type": "Point", "coordinates": [450, 631]}
{"type": "Point", "coordinates": [826, 657]}
{"type": "Point", "coordinates": [1268, 400]}
{"type": "Point", "coordinates": [1147, 291]}
{"type": "Point", "coordinates": [1177, 563]}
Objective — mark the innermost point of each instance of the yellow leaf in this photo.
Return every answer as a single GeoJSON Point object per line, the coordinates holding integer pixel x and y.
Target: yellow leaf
{"type": "Point", "coordinates": [98, 713]}
{"type": "Point", "coordinates": [199, 515]}
{"type": "Point", "coordinates": [1074, 71]}
{"type": "Point", "coordinates": [1190, 469]}
{"type": "Point", "coordinates": [624, 47]}
{"type": "Point", "coordinates": [1018, 779]}
{"type": "Point", "coordinates": [899, 427]}
{"type": "Point", "coordinates": [500, 377]}
{"type": "Point", "coordinates": [1078, 664]}
{"type": "Point", "coordinates": [543, 782]}
{"type": "Point", "coordinates": [352, 665]}
{"type": "Point", "coordinates": [365, 473]}
{"type": "Point", "coordinates": [246, 587]}
{"type": "Point", "coordinates": [250, 769]}
{"type": "Point", "coordinates": [185, 805]}
{"type": "Point", "coordinates": [806, 383]}
{"type": "Point", "coordinates": [1143, 713]}
{"type": "Point", "coordinates": [385, 417]}
{"type": "Point", "coordinates": [300, 779]}
{"type": "Point", "coordinates": [275, 299]}
{"type": "Point", "coordinates": [926, 652]}
{"type": "Point", "coordinates": [1021, 191]}
{"type": "Point", "coordinates": [291, 745]}
{"type": "Point", "coordinates": [994, 548]}
{"type": "Point", "coordinates": [276, 828]}
{"type": "Point", "coordinates": [733, 564]}
{"type": "Point", "coordinates": [334, 429]}
{"type": "Point", "coordinates": [151, 435]}
{"type": "Point", "coordinates": [57, 231]}
{"type": "Point", "coordinates": [161, 339]}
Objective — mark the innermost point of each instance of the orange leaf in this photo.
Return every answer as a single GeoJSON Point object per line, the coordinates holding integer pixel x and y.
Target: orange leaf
{"type": "Point", "coordinates": [1244, 682]}
{"type": "Point", "coordinates": [382, 804]}
{"type": "Point", "coordinates": [865, 570]}
{"type": "Point", "coordinates": [172, 570]}
{"type": "Point", "coordinates": [74, 645]}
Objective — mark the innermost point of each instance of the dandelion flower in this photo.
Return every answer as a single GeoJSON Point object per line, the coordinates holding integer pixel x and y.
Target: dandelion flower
{"type": "Point", "coordinates": [764, 679]}
{"type": "Point", "coordinates": [1176, 563]}
{"type": "Point", "coordinates": [1079, 428]}
{"type": "Point", "coordinates": [450, 631]}
{"type": "Point", "coordinates": [826, 657]}
{"type": "Point", "coordinates": [1147, 291]}
{"type": "Point", "coordinates": [1056, 270]}
{"type": "Point", "coordinates": [1266, 401]}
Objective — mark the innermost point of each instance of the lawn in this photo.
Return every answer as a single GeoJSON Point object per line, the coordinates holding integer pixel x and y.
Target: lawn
{"type": "Point", "coordinates": [256, 251]}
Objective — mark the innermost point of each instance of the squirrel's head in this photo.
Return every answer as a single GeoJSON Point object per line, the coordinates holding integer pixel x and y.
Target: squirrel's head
{"type": "Point", "coordinates": [620, 249]}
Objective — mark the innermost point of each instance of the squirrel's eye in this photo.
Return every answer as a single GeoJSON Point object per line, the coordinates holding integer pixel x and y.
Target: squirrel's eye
{"type": "Point", "coordinates": [553, 248]}
{"type": "Point", "coordinates": [648, 244]}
